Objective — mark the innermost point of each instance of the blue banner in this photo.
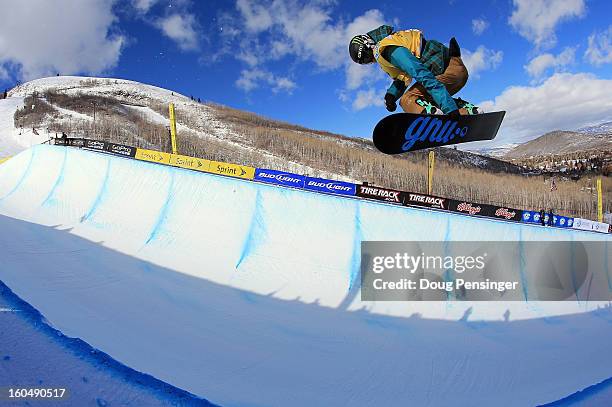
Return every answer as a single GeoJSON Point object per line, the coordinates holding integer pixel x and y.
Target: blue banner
{"type": "Point", "coordinates": [563, 221]}
{"type": "Point", "coordinates": [330, 186]}
{"type": "Point", "coordinates": [557, 220]}
{"type": "Point", "coordinates": [532, 217]}
{"type": "Point", "coordinates": [279, 178]}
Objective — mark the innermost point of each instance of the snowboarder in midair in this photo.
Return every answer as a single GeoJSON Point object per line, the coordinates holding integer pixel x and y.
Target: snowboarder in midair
{"type": "Point", "coordinates": [438, 70]}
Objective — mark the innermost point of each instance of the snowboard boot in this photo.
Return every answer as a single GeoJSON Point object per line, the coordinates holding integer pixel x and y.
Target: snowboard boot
{"type": "Point", "coordinates": [428, 107]}
{"type": "Point", "coordinates": [468, 108]}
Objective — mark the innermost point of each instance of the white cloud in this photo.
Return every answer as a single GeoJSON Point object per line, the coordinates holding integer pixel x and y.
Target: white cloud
{"type": "Point", "coordinates": [298, 29]}
{"type": "Point", "coordinates": [599, 51]}
{"type": "Point", "coordinates": [564, 101]}
{"type": "Point", "coordinates": [143, 6]}
{"type": "Point", "coordinates": [42, 38]}
{"type": "Point", "coordinates": [479, 26]}
{"type": "Point", "coordinates": [536, 20]}
{"type": "Point", "coordinates": [483, 59]}
{"type": "Point", "coordinates": [181, 28]}
{"type": "Point", "coordinates": [251, 79]}
{"type": "Point", "coordinates": [540, 64]}
{"type": "Point", "coordinates": [256, 16]}
{"type": "Point", "coordinates": [367, 98]}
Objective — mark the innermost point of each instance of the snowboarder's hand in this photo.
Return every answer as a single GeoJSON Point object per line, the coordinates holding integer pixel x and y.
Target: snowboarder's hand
{"type": "Point", "coordinates": [390, 102]}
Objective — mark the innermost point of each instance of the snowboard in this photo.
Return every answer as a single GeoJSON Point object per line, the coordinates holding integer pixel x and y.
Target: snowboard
{"type": "Point", "coordinates": [404, 132]}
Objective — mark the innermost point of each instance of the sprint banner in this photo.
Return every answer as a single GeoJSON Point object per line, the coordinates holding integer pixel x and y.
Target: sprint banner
{"type": "Point", "coordinates": [231, 170]}
{"type": "Point", "coordinates": [152, 156]}
{"type": "Point", "coordinates": [190, 163]}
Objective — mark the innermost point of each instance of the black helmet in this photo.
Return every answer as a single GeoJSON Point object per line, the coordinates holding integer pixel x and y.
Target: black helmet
{"type": "Point", "coordinates": [361, 49]}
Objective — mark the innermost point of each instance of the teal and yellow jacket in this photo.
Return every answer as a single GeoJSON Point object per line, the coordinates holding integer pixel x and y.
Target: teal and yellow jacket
{"type": "Point", "coordinates": [406, 55]}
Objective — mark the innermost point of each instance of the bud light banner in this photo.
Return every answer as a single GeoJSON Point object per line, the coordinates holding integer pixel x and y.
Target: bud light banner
{"type": "Point", "coordinates": [279, 178]}
{"type": "Point", "coordinates": [427, 201]}
{"type": "Point", "coordinates": [329, 186]}
{"type": "Point", "coordinates": [381, 194]}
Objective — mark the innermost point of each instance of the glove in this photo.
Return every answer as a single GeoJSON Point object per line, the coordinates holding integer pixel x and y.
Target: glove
{"type": "Point", "coordinates": [454, 114]}
{"type": "Point", "coordinates": [390, 102]}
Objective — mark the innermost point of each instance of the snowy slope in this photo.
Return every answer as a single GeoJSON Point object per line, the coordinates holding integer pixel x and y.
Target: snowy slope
{"type": "Point", "coordinates": [240, 292]}
{"type": "Point", "coordinates": [14, 140]}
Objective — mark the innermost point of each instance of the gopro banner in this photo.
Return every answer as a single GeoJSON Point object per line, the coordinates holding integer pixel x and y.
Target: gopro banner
{"type": "Point", "coordinates": [485, 271]}
{"type": "Point", "coordinates": [76, 142]}
{"type": "Point", "coordinates": [279, 178]}
{"type": "Point", "coordinates": [95, 145]}
{"type": "Point", "coordinates": [329, 186]}
{"type": "Point", "coordinates": [120, 149]}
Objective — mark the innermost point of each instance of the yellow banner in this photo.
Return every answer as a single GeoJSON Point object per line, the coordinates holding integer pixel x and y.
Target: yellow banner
{"type": "Point", "coordinates": [599, 201]}
{"type": "Point", "coordinates": [153, 156]}
{"type": "Point", "coordinates": [232, 170]}
{"type": "Point", "coordinates": [191, 163]}
{"type": "Point", "coordinates": [5, 159]}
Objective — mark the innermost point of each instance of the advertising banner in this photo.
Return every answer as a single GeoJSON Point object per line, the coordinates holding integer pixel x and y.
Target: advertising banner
{"type": "Point", "coordinates": [381, 194]}
{"type": "Point", "coordinates": [60, 141]}
{"type": "Point", "coordinates": [427, 201]}
{"type": "Point", "coordinates": [330, 186]}
{"type": "Point", "coordinates": [152, 156]}
{"type": "Point", "coordinates": [491, 211]}
{"type": "Point", "coordinates": [191, 163]}
{"type": "Point", "coordinates": [279, 178]}
{"type": "Point", "coordinates": [95, 145]}
{"type": "Point", "coordinates": [231, 170]}
{"type": "Point", "coordinates": [120, 149]}
{"type": "Point", "coordinates": [76, 142]}
{"type": "Point", "coordinates": [586, 224]}
{"type": "Point", "coordinates": [562, 221]}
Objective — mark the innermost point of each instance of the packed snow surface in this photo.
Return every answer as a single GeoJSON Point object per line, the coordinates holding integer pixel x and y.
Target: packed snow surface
{"type": "Point", "coordinates": [245, 293]}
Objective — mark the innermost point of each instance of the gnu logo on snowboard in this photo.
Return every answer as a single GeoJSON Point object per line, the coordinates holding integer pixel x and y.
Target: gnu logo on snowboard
{"type": "Point", "coordinates": [438, 130]}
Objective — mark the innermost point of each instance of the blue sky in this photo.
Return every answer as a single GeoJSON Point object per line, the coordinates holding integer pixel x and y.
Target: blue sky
{"type": "Point", "coordinates": [547, 62]}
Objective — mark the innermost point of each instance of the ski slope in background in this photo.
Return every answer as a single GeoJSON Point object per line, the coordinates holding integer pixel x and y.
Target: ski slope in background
{"type": "Point", "coordinates": [245, 293]}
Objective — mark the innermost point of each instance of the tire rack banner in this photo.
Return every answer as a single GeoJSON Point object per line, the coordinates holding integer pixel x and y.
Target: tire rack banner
{"type": "Point", "coordinates": [287, 179]}
{"type": "Point", "coordinates": [380, 194]}
{"type": "Point", "coordinates": [329, 186]}
{"type": "Point", "coordinates": [490, 211]}
{"type": "Point", "coordinates": [426, 201]}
